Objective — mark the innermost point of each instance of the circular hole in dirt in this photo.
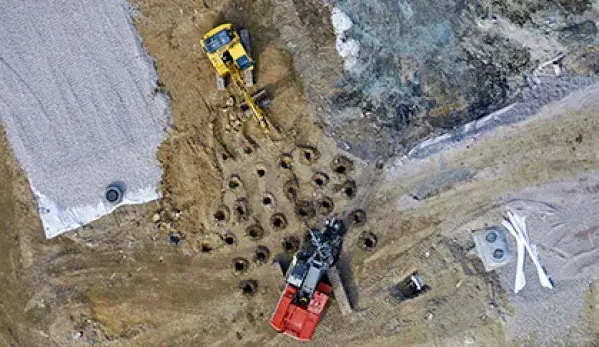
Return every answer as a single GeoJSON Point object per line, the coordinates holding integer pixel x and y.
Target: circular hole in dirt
{"type": "Point", "coordinates": [368, 241]}
{"type": "Point", "coordinates": [349, 189]}
{"type": "Point", "coordinates": [290, 244]}
{"type": "Point", "coordinates": [175, 238]}
{"type": "Point", "coordinates": [230, 239]}
{"type": "Point", "coordinates": [325, 206]}
{"type": "Point", "coordinates": [358, 217]}
{"type": "Point", "coordinates": [291, 193]}
{"type": "Point", "coordinates": [248, 287]}
{"type": "Point", "coordinates": [240, 264]}
{"type": "Point", "coordinates": [261, 172]}
{"type": "Point", "coordinates": [234, 182]}
{"type": "Point", "coordinates": [305, 209]}
{"type": "Point", "coordinates": [286, 161]}
{"type": "Point", "coordinates": [341, 169]}
{"type": "Point", "coordinates": [266, 200]}
{"type": "Point", "coordinates": [248, 150]}
{"type": "Point", "coordinates": [308, 155]}
{"type": "Point", "coordinates": [261, 254]}
{"type": "Point", "coordinates": [221, 214]}
{"type": "Point", "coordinates": [342, 165]}
{"type": "Point", "coordinates": [320, 179]}
{"type": "Point", "coordinates": [206, 248]}
{"type": "Point", "coordinates": [225, 156]}
{"type": "Point", "coordinates": [255, 232]}
{"type": "Point", "coordinates": [278, 221]}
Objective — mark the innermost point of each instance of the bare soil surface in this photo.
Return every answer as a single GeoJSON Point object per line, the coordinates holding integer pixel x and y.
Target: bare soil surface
{"type": "Point", "coordinates": [194, 269]}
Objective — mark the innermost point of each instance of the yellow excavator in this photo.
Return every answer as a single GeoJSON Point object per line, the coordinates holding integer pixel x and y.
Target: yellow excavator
{"type": "Point", "coordinates": [228, 52]}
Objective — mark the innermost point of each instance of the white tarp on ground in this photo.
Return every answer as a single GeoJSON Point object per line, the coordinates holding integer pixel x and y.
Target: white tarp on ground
{"type": "Point", "coordinates": [79, 106]}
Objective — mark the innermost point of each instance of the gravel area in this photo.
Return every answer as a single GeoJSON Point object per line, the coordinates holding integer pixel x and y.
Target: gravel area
{"type": "Point", "coordinates": [80, 105]}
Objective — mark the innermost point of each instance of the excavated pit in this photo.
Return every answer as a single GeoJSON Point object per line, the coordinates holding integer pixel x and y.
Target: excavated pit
{"type": "Point", "coordinates": [235, 183]}
{"type": "Point", "coordinates": [358, 218]}
{"type": "Point", "coordinates": [240, 264]}
{"type": "Point", "coordinates": [367, 241]}
{"type": "Point", "coordinates": [325, 206]}
{"type": "Point", "coordinates": [290, 244]}
{"type": "Point", "coordinates": [278, 221]}
{"type": "Point", "coordinates": [230, 239]}
{"type": "Point", "coordinates": [308, 154]}
{"type": "Point", "coordinates": [319, 180]}
{"type": "Point", "coordinates": [305, 209]}
{"type": "Point", "coordinates": [255, 232]}
{"type": "Point", "coordinates": [248, 287]}
{"type": "Point", "coordinates": [286, 161]}
{"type": "Point", "coordinates": [222, 214]}
{"type": "Point", "coordinates": [342, 165]}
{"type": "Point", "coordinates": [261, 254]}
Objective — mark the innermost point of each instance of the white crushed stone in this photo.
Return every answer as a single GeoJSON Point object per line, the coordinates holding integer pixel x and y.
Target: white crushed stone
{"type": "Point", "coordinates": [79, 106]}
{"type": "Point", "coordinates": [347, 48]}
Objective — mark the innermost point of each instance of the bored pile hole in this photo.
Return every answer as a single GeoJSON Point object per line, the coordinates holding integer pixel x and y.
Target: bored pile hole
{"type": "Point", "coordinates": [248, 287]}
{"type": "Point", "coordinates": [290, 189]}
{"type": "Point", "coordinates": [367, 241]}
{"type": "Point", "coordinates": [308, 154]}
{"type": "Point", "coordinates": [175, 238]}
{"type": "Point", "coordinates": [221, 214]}
{"type": "Point", "coordinates": [262, 253]}
{"type": "Point", "coordinates": [206, 248]}
{"type": "Point", "coordinates": [278, 221]}
{"type": "Point", "coordinates": [290, 244]}
{"type": "Point", "coordinates": [266, 200]}
{"type": "Point", "coordinates": [325, 206]}
{"type": "Point", "coordinates": [320, 179]}
{"type": "Point", "coordinates": [349, 189]}
{"type": "Point", "coordinates": [230, 239]}
{"type": "Point", "coordinates": [234, 182]}
{"type": "Point", "coordinates": [261, 172]}
{"type": "Point", "coordinates": [342, 165]}
{"type": "Point", "coordinates": [240, 264]}
{"type": "Point", "coordinates": [240, 209]}
{"type": "Point", "coordinates": [358, 217]}
{"type": "Point", "coordinates": [255, 232]}
{"type": "Point", "coordinates": [286, 161]}
{"type": "Point", "coordinates": [305, 209]}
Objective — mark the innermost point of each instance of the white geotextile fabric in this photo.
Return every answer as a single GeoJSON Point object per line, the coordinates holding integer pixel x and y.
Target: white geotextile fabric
{"type": "Point", "coordinates": [79, 104]}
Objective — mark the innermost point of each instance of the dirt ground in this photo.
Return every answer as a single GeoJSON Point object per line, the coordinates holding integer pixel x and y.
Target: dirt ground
{"type": "Point", "coordinates": [193, 269]}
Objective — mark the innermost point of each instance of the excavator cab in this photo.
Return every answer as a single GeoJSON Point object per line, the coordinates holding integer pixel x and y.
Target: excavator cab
{"type": "Point", "coordinates": [229, 53]}
{"type": "Point", "coordinates": [306, 293]}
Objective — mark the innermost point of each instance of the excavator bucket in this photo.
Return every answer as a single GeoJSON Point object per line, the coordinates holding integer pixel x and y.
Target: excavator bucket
{"type": "Point", "coordinates": [261, 98]}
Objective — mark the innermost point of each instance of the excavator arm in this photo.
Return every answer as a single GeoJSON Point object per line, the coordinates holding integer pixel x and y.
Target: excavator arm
{"type": "Point", "coordinates": [238, 82]}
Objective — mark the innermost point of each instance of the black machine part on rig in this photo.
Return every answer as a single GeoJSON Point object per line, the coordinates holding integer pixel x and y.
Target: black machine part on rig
{"type": "Point", "coordinates": [311, 263]}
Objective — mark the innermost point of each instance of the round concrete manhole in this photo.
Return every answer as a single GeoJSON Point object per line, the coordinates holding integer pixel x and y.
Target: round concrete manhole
{"type": "Point", "coordinates": [114, 193]}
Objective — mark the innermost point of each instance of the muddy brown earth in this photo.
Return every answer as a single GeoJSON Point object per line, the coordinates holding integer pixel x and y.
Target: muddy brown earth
{"type": "Point", "coordinates": [194, 268]}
